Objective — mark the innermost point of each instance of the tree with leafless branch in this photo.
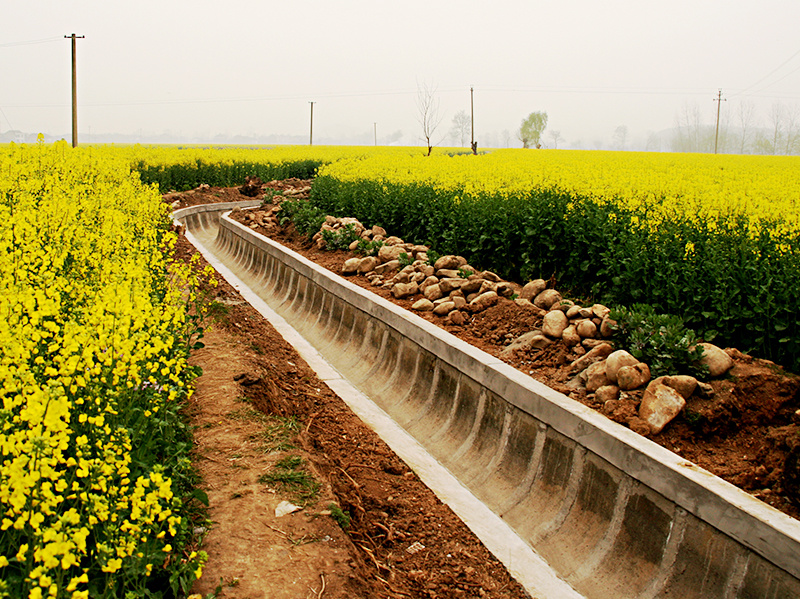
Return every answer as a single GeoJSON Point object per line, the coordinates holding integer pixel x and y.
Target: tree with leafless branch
{"type": "Point", "coordinates": [428, 113]}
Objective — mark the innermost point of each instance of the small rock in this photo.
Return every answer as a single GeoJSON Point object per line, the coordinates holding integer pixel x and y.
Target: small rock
{"type": "Point", "coordinates": [433, 292]}
{"type": "Point", "coordinates": [586, 329]}
{"type": "Point", "coordinates": [660, 405]}
{"type": "Point", "coordinates": [484, 300]}
{"type": "Point", "coordinates": [530, 340]}
{"type": "Point", "coordinates": [505, 289]}
{"type": "Point", "coordinates": [596, 376]}
{"type": "Point", "coordinates": [457, 317]}
{"type": "Point", "coordinates": [640, 426]}
{"type": "Point", "coordinates": [554, 324]}
{"type": "Point", "coordinates": [444, 308]}
{"type": "Point", "coordinates": [592, 343]}
{"type": "Point", "coordinates": [607, 327]}
{"type": "Point", "coordinates": [450, 284]}
{"type": "Point", "coordinates": [570, 336]}
{"type": "Point", "coordinates": [705, 390]}
{"type": "Point", "coordinates": [458, 301]}
{"type": "Point", "coordinates": [633, 377]}
{"type": "Point", "coordinates": [448, 262]}
{"type": "Point", "coordinates": [350, 266]}
{"type": "Point", "coordinates": [598, 352]}
{"type": "Point", "coordinates": [600, 311]}
{"type": "Point", "coordinates": [574, 312]}
{"type": "Point", "coordinates": [422, 305]}
{"type": "Point", "coordinates": [367, 264]}
{"type": "Point", "coordinates": [388, 267]}
{"type": "Point", "coordinates": [532, 289]}
{"type": "Point", "coordinates": [617, 360]}
{"type": "Point", "coordinates": [404, 290]}
{"type": "Point", "coordinates": [387, 253]}
{"type": "Point", "coordinates": [547, 298]}
{"type": "Point", "coordinates": [606, 393]}
{"type": "Point", "coordinates": [682, 383]}
{"type": "Point", "coordinates": [718, 361]}
{"type": "Point", "coordinates": [472, 285]}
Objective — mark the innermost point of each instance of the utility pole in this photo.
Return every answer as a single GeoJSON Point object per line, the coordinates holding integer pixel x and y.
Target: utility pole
{"type": "Point", "coordinates": [719, 100]}
{"type": "Point", "coordinates": [472, 143]}
{"type": "Point", "coordinates": [73, 37]}
{"type": "Point", "coordinates": [311, 128]}
{"type": "Point", "coordinates": [375, 127]}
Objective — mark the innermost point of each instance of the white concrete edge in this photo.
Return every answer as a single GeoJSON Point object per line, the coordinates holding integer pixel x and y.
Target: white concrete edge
{"type": "Point", "coordinates": [524, 564]}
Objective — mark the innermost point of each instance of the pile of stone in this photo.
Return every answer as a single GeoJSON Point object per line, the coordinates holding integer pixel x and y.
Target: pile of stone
{"type": "Point", "coordinates": [449, 287]}
{"type": "Point", "coordinates": [611, 374]}
{"type": "Point", "coordinates": [453, 289]}
{"type": "Point", "coordinates": [259, 217]}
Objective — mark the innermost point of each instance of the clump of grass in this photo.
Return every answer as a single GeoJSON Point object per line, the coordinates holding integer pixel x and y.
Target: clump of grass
{"type": "Point", "coordinates": [277, 434]}
{"type": "Point", "coordinates": [341, 517]}
{"type": "Point", "coordinates": [290, 476]}
{"type": "Point", "coordinates": [246, 413]}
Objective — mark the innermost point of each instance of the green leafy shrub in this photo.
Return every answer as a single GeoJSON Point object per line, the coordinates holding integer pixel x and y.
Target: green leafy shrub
{"type": "Point", "coordinates": [341, 238]}
{"type": "Point", "coordinates": [405, 260]}
{"type": "Point", "coordinates": [306, 217]}
{"type": "Point", "coordinates": [367, 247]}
{"type": "Point", "coordinates": [662, 341]}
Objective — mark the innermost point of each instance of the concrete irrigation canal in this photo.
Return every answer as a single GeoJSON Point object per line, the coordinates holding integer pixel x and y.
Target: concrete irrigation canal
{"type": "Point", "coordinates": [573, 503]}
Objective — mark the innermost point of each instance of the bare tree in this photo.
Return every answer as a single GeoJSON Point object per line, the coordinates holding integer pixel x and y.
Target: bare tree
{"type": "Point", "coordinates": [777, 126]}
{"type": "Point", "coordinates": [428, 113]}
{"type": "Point", "coordinates": [556, 137]}
{"type": "Point", "coordinates": [620, 137]}
{"type": "Point", "coordinates": [792, 129]}
{"type": "Point", "coordinates": [460, 130]}
{"type": "Point", "coordinates": [747, 122]}
{"type": "Point", "coordinates": [653, 143]}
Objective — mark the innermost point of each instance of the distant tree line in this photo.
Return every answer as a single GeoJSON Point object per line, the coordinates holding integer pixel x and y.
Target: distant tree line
{"type": "Point", "coordinates": [741, 131]}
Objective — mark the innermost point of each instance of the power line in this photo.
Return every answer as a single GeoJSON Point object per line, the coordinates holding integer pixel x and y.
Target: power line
{"type": "Point", "coordinates": [30, 42]}
{"type": "Point", "coordinates": [780, 66]}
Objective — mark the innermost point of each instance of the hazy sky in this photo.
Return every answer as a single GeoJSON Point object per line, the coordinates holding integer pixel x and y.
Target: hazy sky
{"type": "Point", "coordinates": [252, 67]}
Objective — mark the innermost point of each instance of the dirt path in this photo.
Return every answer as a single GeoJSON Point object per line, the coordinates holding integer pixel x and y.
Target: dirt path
{"type": "Point", "coordinates": [253, 552]}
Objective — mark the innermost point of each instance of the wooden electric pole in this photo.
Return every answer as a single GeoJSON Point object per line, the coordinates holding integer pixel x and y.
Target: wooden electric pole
{"type": "Point", "coordinates": [311, 127]}
{"type": "Point", "coordinates": [73, 37]}
{"type": "Point", "coordinates": [719, 100]}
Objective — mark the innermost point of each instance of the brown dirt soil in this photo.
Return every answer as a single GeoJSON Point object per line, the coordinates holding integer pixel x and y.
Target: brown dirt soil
{"type": "Point", "coordinates": [747, 433]}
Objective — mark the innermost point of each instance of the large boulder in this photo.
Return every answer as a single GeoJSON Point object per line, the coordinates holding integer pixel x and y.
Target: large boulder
{"type": "Point", "coordinates": [447, 262]}
{"type": "Point", "coordinates": [404, 290]}
{"type": "Point", "coordinates": [617, 360]}
{"type": "Point", "coordinates": [546, 299]}
{"type": "Point", "coordinates": [716, 359]}
{"type": "Point", "coordinates": [554, 323]}
{"type": "Point", "coordinates": [633, 377]}
{"type": "Point", "coordinates": [532, 289]}
{"type": "Point", "coordinates": [660, 405]}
